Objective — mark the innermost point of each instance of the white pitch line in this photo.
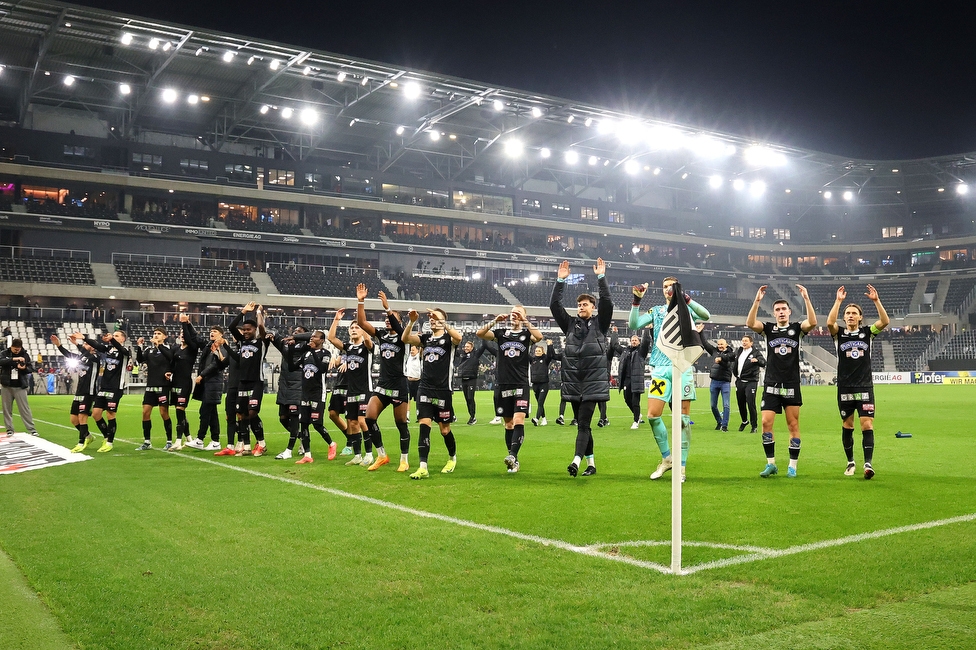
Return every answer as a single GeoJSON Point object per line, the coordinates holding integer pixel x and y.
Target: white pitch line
{"type": "Point", "coordinates": [593, 550]}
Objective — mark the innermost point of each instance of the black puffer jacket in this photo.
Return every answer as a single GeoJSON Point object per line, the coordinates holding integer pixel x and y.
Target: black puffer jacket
{"type": "Point", "coordinates": [585, 367]}
{"type": "Point", "coordinates": [210, 390]}
{"type": "Point", "coordinates": [290, 378]}
{"type": "Point", "coordinates": [632, 364]}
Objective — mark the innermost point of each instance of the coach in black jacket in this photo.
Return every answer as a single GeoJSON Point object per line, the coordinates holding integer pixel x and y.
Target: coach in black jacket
{"type": "Point", "coordinates": [746, 365]}
{"type": "Point", "coordinates": [587, 373]}
{"type": "Point", "coordinates": [721, 375]}
{"type": "Point", "coordinates": [631, 373]}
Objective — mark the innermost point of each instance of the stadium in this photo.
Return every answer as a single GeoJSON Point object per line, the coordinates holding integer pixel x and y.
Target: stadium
{"type": "Point", "coordinates": [149, 170]}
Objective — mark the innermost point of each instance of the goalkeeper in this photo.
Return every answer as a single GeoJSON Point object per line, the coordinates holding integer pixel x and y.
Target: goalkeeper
{"type": "Point", "coordinates": [660, 390]}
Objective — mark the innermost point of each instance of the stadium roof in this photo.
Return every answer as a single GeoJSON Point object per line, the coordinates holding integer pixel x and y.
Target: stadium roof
{"type": "Point", "coordinates": [224, 89]}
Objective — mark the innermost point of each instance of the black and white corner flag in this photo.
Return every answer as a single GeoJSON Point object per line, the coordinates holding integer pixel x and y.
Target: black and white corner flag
{"type": "Point", "coordinates": [679, 339]}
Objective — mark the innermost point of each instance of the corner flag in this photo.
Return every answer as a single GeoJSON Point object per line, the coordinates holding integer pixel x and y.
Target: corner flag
{"type": "Point", "coordinates": [678, 338]}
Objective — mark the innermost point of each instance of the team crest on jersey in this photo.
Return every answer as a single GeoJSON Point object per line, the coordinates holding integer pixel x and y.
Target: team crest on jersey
{"type": "Point", "coordinates": [247, 353]}
{"type": "Point", "coordinates": [791, 332]}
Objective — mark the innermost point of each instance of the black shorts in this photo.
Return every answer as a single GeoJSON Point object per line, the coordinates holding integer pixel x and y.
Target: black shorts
{"type": "Point", "coordinates": [775, 398]}
{"type": "Point", "coordinates": [310, 412]}
{"type": "Point", "coordinates": [287, 410]}
{"type": "Point", "coordinates": [356, 406]}
{"type": "Point", "coordinates": [249, 396]}
{"type": "Point", "coordinates": [337, 401]}
{"type": "Point", "coordinates": [412, 387]}
{"type": "Point", "coordinates": [156, 396]}
{"type": "Point", "coordinates": [394, 396]}
{"type": "Point", "coordinates": [230, 402]}
{"type": "Point", "coordinates": [108, 400]}
{"type": "Point", "coordinates": [511, 400]}
{"type": "Point", "coordinates": [179, 396]}
{"type": "Point", "coordinates": [82, 404]}
{"type": "Point", "coordinates": [436, 405]}
{"type": "Point", "coordinates": [851, 400]}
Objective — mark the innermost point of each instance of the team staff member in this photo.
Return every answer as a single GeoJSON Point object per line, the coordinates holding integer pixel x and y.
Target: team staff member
{"type": "Point", "coordinates": [747, 363]}
{"type": "Point", "coordinates": [781, 388]}
{"type": "Point", "coordinates": [289, 395]}
{"type": "Point", "coordinates": [855, 384]}
{"type": "Point", "coordinates": [630, 373]}
{"type": "Point", "coordinates": [539, 376]}
{"type": "Point", "coordinates": [114, 356]}
{"type": "Point", "coordinates": [434, 396]}
{"type": "Point", "coordinates": [208, 389]}
{"type": "Point", "coordinates": [512, 376]}
{"type": "Point", "coordinates": [391, 386]}
{"type": "Point", "coordinates": [15, 367]}
{"type": "Point", "coordinates": [721, 380]}
{"type": "Point", "coordinates": [468, 362]}
{"type": "Point", "coordinates": [586, 371]}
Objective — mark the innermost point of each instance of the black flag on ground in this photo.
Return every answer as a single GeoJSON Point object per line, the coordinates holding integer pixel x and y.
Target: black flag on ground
{"type": "Point", "coordinates": [678, 338]}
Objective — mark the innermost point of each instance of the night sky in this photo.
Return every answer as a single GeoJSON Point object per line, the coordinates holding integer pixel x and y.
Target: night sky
{"type": "Point", "coordinates": [872, 80]}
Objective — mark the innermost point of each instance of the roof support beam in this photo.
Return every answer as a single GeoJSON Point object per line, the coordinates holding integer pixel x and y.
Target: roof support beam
{"type": "Point", "coordinates": [43, 46]}
{"type": "Point", "coordinates": [150, 83]}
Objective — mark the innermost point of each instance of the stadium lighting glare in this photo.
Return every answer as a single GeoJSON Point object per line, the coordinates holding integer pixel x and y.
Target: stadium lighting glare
{"type": "Point", "coordinates": [631, 132]}
{"type": "Point", "coordinates": [364, 81]}
{"type": "Point", "coordinates": [352, 122]}
{"type": "Point", "coordinates": [167, 46]}
{"type": "Point", "coordinates": [941, 189]}
{"type": "Point", "coordinates": [309, 116]}
{"type": "Point", "coordinates": [169, 95]}
{"type": "Point", "coordinates": [757, 188]}
{"type": "Point", "coordinates": [204, 98]}
{"type": "Point", "coordinates": [498, 105]}
{"type": "Point", "coordinates": [476, 275]}
{"type": "Point", "coordinates": [593, 160]}
{"type": "Point", "coordinates": [125, 89]}
{"type": "Point", "coordinates": [453, 136]}
{"type": "Point", "coordinates": [715, 182]}
{"type": "Point", "coordinates": [533, 277]}
{"type": "Point", "coordinates": [730, 150]}
{"type": "Point", "coordinates": [435, 135]}
{"type": "Point", "coordinates": [738, 185]}
{"type": "Point", "coordinates": [228, 56]}
{"type": "Point", "coordinates": [400, 130]}
{"type": "Point", "coordinates": [632, 167]}
{"type": "Point", "coordinates": [657, 171]}
{"type": "Point", "coordinates": [69, 81]}
{"type": "Point", "coordinates": [764, 157]}
{"type": "Point", "coordinates": [636, 249]}
{"type": "Point", "coordinates": [571, 157]}
{"type": "Point", "coordinates": [340, 76]}
{"type": "Point", "coordinates": [192, 99]}
{"type": "Point", "coordinates": [250, 60]}
{"type": "Point", "coordinates": [536, 111]}
{"type": "Point", "coordinates": [569, 120]}
{"type": "Point", "coordinates": [153, 43]}
{"type": "Point", "coordinates": [545, 152]}
{"type": "Point", "coordinates": [606, 127]}
{"type": "Point", "coordinates": [588, 122]}
{"type": "Point", "coordinates": [200, 50]}
{"type": "Point", "coordinates": [684, 176]}
{"type": "Point", "coordinates": [848, 195]}
{"type": "Point", "coordinates": [275, 63]}
{"type": "Point", "coordinates": [265, 109]}
{"type": "Point", "coordinates": [287, 113]}
{"type": "Point", "coordinates": [708, 147]}
{"type": "Point", "coordinates": [665, 137]}
{"type": "Point", "coordinates": [828, 194]}
{"type": "Point", "coordinates": [307, 71]}
{"type": "Point", "coordinates": [962, 189]}
{"type": "Point", "coordinates": [126, 39]}
{"type": "Point", "coordinates": [411, 90]}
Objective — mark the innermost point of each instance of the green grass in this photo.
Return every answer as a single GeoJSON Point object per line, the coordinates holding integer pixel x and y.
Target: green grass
{"type": "Point", "coordinates": [155, 550]}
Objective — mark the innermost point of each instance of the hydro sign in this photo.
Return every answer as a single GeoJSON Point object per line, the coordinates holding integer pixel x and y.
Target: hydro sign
{"type": "Point", "coordinates": [945, 377]}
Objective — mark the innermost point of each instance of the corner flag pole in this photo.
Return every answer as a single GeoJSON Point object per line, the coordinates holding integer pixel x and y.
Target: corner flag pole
{"type": "Point", "coordinates": [682, 344]}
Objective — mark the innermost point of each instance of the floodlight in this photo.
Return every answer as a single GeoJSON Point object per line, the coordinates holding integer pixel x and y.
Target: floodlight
{"type": "Point", "coordinates": [636, 249]}
{"type": "Point", "coordinates": [715, 182]}
{"type": "Point", "coordinates": [265, 109]}
{"type": "Point", "coordinates": [533, 277]}
{"type": "Point", "coordinates": [125, 89]}
{"type": "Point", "coordinates": [604, 127]}
{"type": "Point", "coordinates": [764, 156]}
{"type": "Point", "coordinates": [309, 116]}
{"type": "Point", "coordinates": [738, 185]}
{"type": "Point", "coordinates": [593, 160]}
{"type": "Point", "coordinates": [364, 81]}
{"type": "Point", "coordinates": [545, 153]}
{"type": "Point", "coordinates": [708, 147]}
{"type": "Point", "coordinates": [757, 188]}
{"type": "Point", "coordinates": [228, 56]}
{"type": "Point", "coordinates": [200, 50]}
{"type": "Point", "coordinates": [476, 275]}
{"type": "Point", "coordinates": [657, 171]}
{"type": "Point", "coordinates": [126, 38]}
{"type": "Point", "coordinates": [192, 99]}
{"type": "Point", "coordinates": [275, 64]}
{"type": "Point", "coordinates": [569, 120]}
{"type": "Point", "coordinates": [400, 130]}
{"type": "Point", "coordinates": [588, 122]}
{"type": "Point", "coordinates": [498, 105]}
{"type": "Point", "coordinates": [250, 60]}
{"type": "Point", "coordinates": [153, 43]}
{"type": "Point", "coordinates": [631, 132]}
{"type": "Point", "coordinates": [665, 137]}
{"type": "Point", "coordinates": [307, 71]}
{"type": "Point", "coordinates": [287, 113]}
{"type": "Point", "coordinates": [169, 95]}
{"type": "Point", "coordinates": [684, 176]}
{"type": "Point", "coordinates": [962, 189]}
{"type": "Point", "coordinates": [632, 167]}
{"type": "Point", "coordinates": [828, 194]}
{"type": "Point", "coordinates": [536, 111]}
{"type": "Point", "coordinates": [411, 90]}
{"type": "Point", "coordinates": [941, 189]}
{"type": "Point", "coordinates": [572, 157]}
{"type": "Point", "coordinates": [204, 98]}
{"type": "Point", "coordinates": [513, 148]}
{"type": "Point", "coordinates": [69, 81]}
{"type": "Point", "coordinates": [341, 76]}
{"type": "Point", "coordinates": [167, 46]}
{"type": "Point", "coordinates": [848, 195]}
{"type": "Point", "coordinates": [435, 135]}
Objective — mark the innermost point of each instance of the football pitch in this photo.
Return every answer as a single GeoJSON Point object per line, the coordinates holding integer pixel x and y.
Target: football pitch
{"type": "Point", "coordinates": [184, 550]}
